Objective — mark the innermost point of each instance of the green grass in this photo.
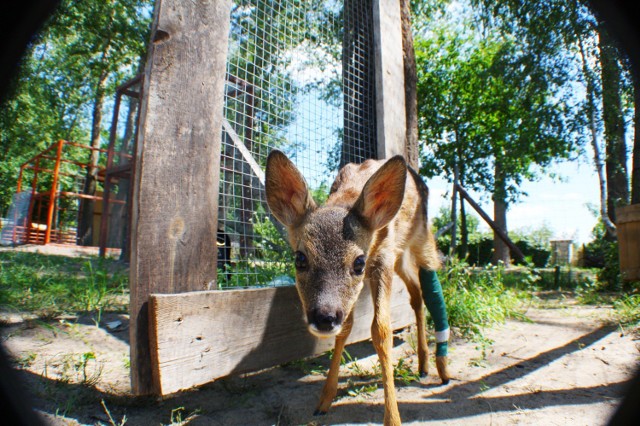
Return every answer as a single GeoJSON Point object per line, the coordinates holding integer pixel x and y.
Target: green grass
{"type": "Point", "coordinates": [48, 286]}
{"type": "Point", "coordinates": [627, 311]}
{"type": "Point", "coordinates": [477, 299]}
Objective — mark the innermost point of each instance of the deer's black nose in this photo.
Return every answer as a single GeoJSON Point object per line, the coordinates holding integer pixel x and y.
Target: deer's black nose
{"type": "Point", "coordinates": [325, 320]}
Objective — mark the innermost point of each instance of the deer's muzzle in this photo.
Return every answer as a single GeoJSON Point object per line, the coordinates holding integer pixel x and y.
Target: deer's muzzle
{"type": "Point", "coordinates": [325, 322]}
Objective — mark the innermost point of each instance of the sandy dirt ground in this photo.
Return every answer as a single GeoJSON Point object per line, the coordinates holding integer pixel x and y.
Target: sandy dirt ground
{"type": "Point", "coordinates": [567, 365]}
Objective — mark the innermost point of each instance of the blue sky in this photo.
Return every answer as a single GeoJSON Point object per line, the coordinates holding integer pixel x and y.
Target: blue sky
{"type": "Point", "coordinates": [561, 205]}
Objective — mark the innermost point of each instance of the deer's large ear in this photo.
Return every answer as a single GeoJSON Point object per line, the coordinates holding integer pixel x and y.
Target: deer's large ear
{"type": "Point", "coordinates": [287, 193]}
{"type": "Point", "coordinates": [382, 195]}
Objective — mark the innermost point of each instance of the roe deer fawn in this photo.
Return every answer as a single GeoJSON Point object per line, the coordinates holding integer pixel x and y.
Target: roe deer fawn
{"type": "Point", "coordinates": [373, 224]}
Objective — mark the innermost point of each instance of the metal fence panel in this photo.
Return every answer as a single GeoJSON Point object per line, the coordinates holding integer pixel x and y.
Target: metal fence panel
{"type": "Point", "coordinates": [300, 78]}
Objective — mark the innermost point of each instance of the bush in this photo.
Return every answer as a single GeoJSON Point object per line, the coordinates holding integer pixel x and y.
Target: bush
{"type": "Point", "coordinates": [593, 253]}
{"type": "Point", "coordinates": [535, 254]}
{"type": "Point", "coordinates": [480, 251]}
{"type": "Point", "coordinates": [602, 253]}
{"type": "Point", "coordinates": [477, 299]}
{"type": "Point", "coordinates": [627, 310]}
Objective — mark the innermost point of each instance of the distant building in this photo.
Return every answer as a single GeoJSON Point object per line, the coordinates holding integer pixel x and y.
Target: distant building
{"type": "Point", "coordinates": [561, 252]}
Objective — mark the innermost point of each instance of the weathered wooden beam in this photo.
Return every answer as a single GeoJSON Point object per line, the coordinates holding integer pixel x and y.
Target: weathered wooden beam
{"type": "Point", "coordinates": [175, 194]}
{"type": "Point", "coordinates": [503, 236]}
{"type": "Point", "coordinates": [198, 337]}
{"type": "Point", "coordinates": [246, 154]}
{"type": "Point", "coordinates": [390, 91]}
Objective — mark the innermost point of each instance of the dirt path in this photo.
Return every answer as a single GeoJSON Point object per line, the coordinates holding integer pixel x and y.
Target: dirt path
{"type": "Point", "coordinates": [566, 366]}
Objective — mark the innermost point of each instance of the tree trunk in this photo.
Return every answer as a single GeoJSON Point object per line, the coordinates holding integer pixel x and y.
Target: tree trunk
{"type": "Point", "coordinates": [464, 231]}
{"type": "Point", "coordinates": [460, 173]}
{"type": "Point", "coordinates": [635, 172]}
{"type": "Point", "coordinates": [85, 219]}
{"type": "Point", "coordinates": [595, 144]}
{"type": "Point", "coordinates": [410, 86]}
{"type": "Point", "coordinates": [500, 248]}
{"type": "Point", "coordinates": [614, 126]}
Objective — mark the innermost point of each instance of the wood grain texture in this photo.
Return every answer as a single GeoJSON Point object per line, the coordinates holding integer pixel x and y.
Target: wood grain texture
{"type": "Point", "coordinates": [389, 70]}
{"type": "Point", "coordinates": [410, 87]}
{"type": "Point", "coordinates": [175, 197]}
{"type": "Point", "coordinates": [198, 337]}
{"type": "Point", "coordinates": [628, 223]}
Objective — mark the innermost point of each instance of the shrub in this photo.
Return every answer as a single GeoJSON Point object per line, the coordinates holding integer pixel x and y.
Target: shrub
{"type": "Point", "coordinates": [477, 299]}
{"type": "Point", "coordinates": [627, 310]}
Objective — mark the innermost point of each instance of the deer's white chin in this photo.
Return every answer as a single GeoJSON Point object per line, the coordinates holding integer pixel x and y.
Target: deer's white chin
{"type": "Point", "coordinates": [324, 334]}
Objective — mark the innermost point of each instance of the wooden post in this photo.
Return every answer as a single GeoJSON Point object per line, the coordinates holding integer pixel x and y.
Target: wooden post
{"type": "Point", "coordinates": [174, 224]}
{"type": "Point", "coordinates": [515, 251]}
{"type": "Point", "coordinates": [52, 196]}
{"type": "Point", "coordinates": [390, 91]}
{"type": "Point", "coordinates": [454, 214]}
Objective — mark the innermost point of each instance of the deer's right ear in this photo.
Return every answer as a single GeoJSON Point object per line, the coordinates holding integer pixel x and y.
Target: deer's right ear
{"type": "Point", "coordinates": [287, 193]}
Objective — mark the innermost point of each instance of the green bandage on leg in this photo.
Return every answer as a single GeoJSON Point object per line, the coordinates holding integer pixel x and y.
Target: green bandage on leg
{"type": "Point", "coordinates": [433, 298]}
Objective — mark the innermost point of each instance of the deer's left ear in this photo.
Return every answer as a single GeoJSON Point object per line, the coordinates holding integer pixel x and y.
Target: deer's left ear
{"type": "Point", "coordinates": [382, 195]}
{"type": "Point", "coordinates": [287, 194]}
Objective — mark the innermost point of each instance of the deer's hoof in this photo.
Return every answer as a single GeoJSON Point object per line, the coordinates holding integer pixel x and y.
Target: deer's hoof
{"type": "Point", "coordinates": [319, 412]}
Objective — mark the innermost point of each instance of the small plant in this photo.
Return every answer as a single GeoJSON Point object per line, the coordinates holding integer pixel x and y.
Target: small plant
{"type": "Point", "coordinates": [355, 368]}
{"type": "Point", "coordinates": [306, 367]}
{"type": "Point", "coordinates": [403, 373]}
{"type": "Point", "coordinates": [476, 299]}
{"type": "Point", "coordinates": [484, 344]}
{"type": "Point", "coordinates": [361, 390]}
{"type": "Point", "coordinates": [26, 360]}
{"type": "Point", "coordinates": [126, 360]}
{"type": "Point", "coordinates": [74, 368]}
{"type": "Point", "coordinates": [177, 416]}
{"type": "Point", "coordinates": [108, 413]}
{"type": "Point", "coordinates": [95, 291]}
{"type": "Point", "coordinates": [627, 311]}
{"type": "Point", "coordinates": [484, 386]}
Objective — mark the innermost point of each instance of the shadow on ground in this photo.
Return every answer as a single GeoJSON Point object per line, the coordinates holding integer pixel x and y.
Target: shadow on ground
{"type": "Point", "coordinates": [288, 394]}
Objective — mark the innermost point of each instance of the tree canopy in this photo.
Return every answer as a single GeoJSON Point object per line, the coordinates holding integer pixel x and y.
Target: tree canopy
{"type": "Point", "coordinates": [490, 114]}
{"type": "Point", "coordinates": [507, 88]}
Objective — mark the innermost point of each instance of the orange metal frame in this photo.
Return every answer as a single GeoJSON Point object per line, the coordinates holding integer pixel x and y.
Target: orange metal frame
{"type": "Point", "coordinates": [34, 234]}
{"type": "Point", "coordinates": [30, 232]}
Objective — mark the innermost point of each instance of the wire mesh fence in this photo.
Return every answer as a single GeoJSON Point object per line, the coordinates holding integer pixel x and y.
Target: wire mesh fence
{"type": "Point", "coordinates": [299, 79]}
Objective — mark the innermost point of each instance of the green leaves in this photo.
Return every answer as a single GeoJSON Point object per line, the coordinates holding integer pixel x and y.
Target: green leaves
{"type": "Point", "coordinates": [485, 100]}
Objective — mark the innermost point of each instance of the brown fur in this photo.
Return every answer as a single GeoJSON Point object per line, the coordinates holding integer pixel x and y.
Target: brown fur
{"type": "Point", "coordinates": [376, 210]}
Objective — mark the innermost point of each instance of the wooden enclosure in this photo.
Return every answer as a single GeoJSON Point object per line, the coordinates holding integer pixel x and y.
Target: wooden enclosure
{"type": "Point", "coordinates": [183, 332]}
{"type": "Point", "coordinates": [628, 224]}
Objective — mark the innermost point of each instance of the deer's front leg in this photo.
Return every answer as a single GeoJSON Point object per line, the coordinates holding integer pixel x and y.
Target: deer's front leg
{"type": "Point", "coordinates": [331, 385]}
{"type": "Point", "coordinates": [382, 337]}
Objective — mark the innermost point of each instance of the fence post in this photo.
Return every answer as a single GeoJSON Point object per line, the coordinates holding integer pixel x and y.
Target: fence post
{"type": "Point", "coordinates": [174, 223]}
{"type": "Point", "coordinates": [52, 196]}
{"type": "Point", "coordinates": [390, 91]}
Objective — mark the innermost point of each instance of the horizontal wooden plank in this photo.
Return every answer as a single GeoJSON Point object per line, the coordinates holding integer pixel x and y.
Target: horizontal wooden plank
{"type": "Point", "coordinates": [198, 337]}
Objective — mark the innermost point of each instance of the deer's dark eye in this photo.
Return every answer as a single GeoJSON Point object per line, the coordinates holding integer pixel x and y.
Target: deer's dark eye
{"type": "Point", "coordinates": [301, 261]}
{"type": "Point", "coordinates": [358, 265]}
